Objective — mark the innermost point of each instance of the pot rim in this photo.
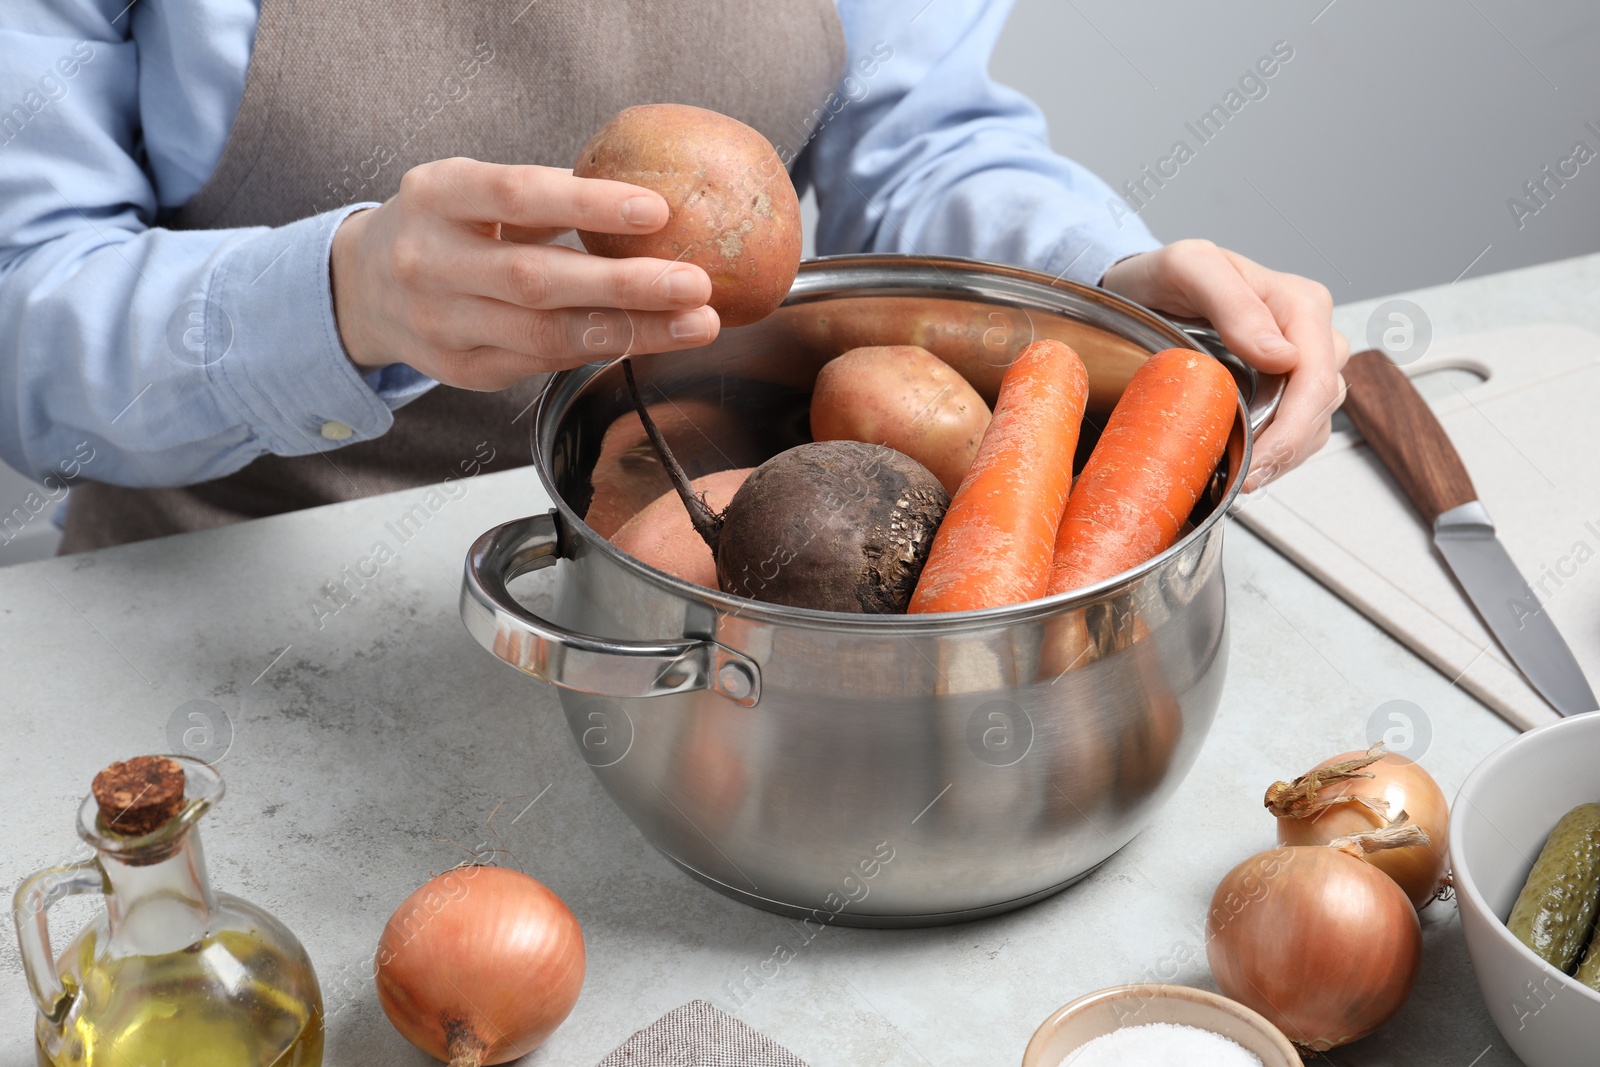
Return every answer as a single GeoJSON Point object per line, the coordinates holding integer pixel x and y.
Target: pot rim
{"type": "Point", "coordinates": [1018, 282]}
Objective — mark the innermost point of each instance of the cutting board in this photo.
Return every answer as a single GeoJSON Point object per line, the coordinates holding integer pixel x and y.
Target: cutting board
{"type": "Point", "coordinates": [1529, 433]}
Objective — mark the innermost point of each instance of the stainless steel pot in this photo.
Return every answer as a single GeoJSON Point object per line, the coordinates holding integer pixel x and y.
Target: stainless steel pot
{"type": "Point", "coordinates": [869, 770]}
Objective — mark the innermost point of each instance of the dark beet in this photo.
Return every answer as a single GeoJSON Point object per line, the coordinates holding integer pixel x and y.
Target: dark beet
{"type": "Point", "coordinates": [832, 525]}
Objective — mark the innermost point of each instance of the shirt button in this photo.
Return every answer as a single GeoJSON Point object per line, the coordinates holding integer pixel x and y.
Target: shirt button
{"type": "Point", "coordinates": [337, 431]}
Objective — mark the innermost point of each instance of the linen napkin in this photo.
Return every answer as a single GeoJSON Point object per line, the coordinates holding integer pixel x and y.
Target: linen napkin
{"type": "Point", "coordinates": [699, 1034]}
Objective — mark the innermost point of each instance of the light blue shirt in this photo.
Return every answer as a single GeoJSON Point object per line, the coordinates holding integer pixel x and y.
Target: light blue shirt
{"type": "Point", "coordinates": [173, 357]}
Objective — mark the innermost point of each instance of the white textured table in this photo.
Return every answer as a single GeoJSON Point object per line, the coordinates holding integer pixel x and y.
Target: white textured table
{"type": "Point", "coordinates": [374, 738]}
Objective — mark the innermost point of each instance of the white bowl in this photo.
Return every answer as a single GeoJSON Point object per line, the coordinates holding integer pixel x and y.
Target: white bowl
{"type": "Point", "coordinates": [1499, 823]}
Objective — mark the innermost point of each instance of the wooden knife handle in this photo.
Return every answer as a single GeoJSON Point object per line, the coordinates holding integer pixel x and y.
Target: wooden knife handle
{"type": "Point", "coordinates": [1405, 434]}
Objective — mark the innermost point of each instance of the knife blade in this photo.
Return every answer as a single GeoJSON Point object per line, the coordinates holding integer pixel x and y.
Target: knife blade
{"type": "Point", "coordinates": [1406, 435]}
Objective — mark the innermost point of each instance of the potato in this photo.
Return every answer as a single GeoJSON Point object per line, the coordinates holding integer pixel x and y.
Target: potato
{"type": "Point", "coordinates": [628, 475]}
{"type": "Point", "coordinates": [662, 535]}
{"type": "Point", "coordinates": [907, 398]}
{"type": "Point", "coordinates": [734, 211]}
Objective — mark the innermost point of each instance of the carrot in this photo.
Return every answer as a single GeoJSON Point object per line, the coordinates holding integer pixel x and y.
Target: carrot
{"type": "Point", "coordinates": [1159, 449]}
{"type": "Point", "coordinates": [996, 542]}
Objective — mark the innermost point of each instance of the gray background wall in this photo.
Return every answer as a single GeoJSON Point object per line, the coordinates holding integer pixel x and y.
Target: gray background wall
{"type": "Point", "coordinates": [1380, 159]}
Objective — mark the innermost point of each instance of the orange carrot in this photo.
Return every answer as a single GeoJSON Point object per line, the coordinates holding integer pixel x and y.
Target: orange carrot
{"type": "Point", "coordinates": [996, 542]}
{"type": "Point", "coordinates": [1160, 446]}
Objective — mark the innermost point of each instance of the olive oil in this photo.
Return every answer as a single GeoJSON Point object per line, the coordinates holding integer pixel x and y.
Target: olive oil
{"type": "Point", "coordinates": [170, 973]}
{"type": "Point", "coordinates": [229, 998]}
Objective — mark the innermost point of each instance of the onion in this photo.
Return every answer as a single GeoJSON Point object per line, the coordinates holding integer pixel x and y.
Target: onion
{"type": "Point", "coordinates": [1362, 791]}
{"type": "Point", "coordinates": [479, 966]}
{"type": "Point", "coordinates": [1319, 941]}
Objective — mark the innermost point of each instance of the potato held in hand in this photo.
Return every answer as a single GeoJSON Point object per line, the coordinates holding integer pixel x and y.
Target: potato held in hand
{"type": "Point", "coordinates": [734, 211]}
{"type": "Point", "coordinates": [904, 397]}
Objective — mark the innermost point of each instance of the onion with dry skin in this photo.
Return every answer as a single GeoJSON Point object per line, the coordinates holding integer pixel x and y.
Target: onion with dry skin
{"type": "Point", "coordinates": [1356, 792]}
{"type": "Point", "coordinates": [479, 966]}
{"type": "Point", "coordinates": [1316, 939]}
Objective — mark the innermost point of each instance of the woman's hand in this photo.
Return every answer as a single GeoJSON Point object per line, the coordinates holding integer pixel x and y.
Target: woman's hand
{"type": "Point", "coordinates": [453, 276]}
{"type": "Point", "coordinates": [1278, 323]}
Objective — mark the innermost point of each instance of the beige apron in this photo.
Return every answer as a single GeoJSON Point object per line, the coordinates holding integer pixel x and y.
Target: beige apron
{"type": "Point", "coordinates": [343, 96]}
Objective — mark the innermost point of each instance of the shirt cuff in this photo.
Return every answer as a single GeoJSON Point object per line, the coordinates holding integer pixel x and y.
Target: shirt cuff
{"type": "Point", "coordinates": [277, 356]}
{"type": "Point", "coordinates": [397, 384]}
{"type": "Point", "coordinates": [1086, 255]}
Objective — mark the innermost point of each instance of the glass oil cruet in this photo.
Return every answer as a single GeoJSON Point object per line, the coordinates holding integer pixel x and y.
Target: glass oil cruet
{"type": "Point", "coordinates": [170, 974]}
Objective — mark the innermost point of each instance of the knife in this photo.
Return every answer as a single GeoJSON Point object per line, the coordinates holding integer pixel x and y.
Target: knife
{"type": "Point", "coordinates": [1407, 437]}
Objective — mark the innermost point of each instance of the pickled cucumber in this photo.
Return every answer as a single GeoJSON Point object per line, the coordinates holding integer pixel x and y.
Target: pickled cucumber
{"type": "Point", "coordinates": [1555, 912]}
{"type": "Point", "coordinates": [1589, 969]}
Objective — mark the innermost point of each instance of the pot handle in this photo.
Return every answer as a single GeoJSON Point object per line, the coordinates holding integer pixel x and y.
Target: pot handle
{"type": "Point", "coordinates": [598, 665]}
{"type": "Point", "coordinates": [1262, 392]}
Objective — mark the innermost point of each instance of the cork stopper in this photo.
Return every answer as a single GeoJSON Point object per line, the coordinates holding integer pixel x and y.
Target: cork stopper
{"type": "Point", "coordinates": [138, 795]}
